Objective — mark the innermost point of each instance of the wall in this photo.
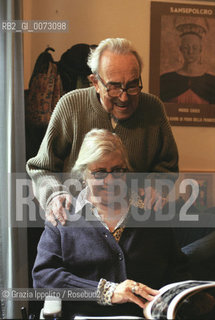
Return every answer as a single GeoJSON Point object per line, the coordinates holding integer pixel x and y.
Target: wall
{"type": "Point", "coordinates": [88, 24]}
{"type": "Point", "coordinates": [94, 20]}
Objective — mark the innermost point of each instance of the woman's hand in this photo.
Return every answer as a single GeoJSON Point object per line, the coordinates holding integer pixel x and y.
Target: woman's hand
{"type": "Point", "coordinates": [131, 291]}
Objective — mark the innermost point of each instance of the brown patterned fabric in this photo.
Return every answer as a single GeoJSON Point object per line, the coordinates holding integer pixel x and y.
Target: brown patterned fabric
{"type": "Point", "coordinates": [117, 233]}
{"type": "Point", "coordinates": [44, 92]}
{"type": "Point", "coordinates": [105, 291]}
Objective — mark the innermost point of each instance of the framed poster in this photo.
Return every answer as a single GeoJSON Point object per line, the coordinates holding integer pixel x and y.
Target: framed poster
{"type": "Point", "coordinates": [182, 61]}
{"type": "Point", "coordinates": [205, 181]}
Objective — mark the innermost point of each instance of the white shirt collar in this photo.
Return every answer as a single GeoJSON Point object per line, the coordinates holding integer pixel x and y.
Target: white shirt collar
{"type": "Point", "coordinates": [82, 201]}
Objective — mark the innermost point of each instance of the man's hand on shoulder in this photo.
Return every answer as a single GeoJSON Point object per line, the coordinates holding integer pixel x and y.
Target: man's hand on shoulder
{"type": "Point", "coordinates": [152, 199]}
{"type": "Point", "coordinates": [57, 209]}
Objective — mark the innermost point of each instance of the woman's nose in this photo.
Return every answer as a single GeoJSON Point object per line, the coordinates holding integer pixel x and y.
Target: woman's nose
{"type": "Point", "coordinates": [108, 178]}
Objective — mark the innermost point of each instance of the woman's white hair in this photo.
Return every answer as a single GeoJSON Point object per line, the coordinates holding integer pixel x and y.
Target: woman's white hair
{"type": "Point", "coordinates": [115, 45]}
{"type": "Point", "coordinates": [96, 144]}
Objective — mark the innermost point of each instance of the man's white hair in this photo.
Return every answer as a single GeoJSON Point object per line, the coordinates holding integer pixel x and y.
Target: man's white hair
{"type": "Point", "coordinates": [96, 144]}
{"type": "Point", "coordinates": [115, 45]}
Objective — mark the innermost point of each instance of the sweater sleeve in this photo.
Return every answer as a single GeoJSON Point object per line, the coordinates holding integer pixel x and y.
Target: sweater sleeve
{"type": "Point", "coordinates": [45, 168]}
{"type": "Point", "coordinates": [167, 154]}
{"type": "Point", "coordinates": [165, 162]}
{"type": "Point", "coordinates": [169, 151]}
{"type": "Point", "coordinates": [50, 270]}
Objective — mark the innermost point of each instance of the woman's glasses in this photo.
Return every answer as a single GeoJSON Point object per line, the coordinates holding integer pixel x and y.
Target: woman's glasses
{"type": "Point", "coordinates": [116, 173]}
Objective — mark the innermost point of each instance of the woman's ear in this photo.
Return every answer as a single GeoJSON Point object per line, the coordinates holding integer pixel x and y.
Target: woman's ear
{"type": "Point", "coordinates": [84, 179]}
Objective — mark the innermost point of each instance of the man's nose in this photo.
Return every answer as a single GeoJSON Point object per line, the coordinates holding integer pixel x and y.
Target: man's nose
{"type": "Point", "coordinates": [124, 96]}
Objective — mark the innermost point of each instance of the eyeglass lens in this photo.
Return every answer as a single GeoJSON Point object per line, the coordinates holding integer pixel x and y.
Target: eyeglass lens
{"type": "Point", "coordinates": [116, 91]}
{"type": "Point", "coordinates": [103, 174]}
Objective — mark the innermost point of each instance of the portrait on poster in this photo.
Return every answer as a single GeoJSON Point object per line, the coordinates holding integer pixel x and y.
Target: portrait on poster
{"type": "Point", "coordinates": [185, 70]}
{"type": "Point", "coordinates": [187, 61]}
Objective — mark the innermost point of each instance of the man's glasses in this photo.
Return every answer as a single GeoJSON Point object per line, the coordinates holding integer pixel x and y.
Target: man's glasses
{"type": "Point", "coordinates": [116, 173]}
{"type": "Point", "coordinates": [115, 90]}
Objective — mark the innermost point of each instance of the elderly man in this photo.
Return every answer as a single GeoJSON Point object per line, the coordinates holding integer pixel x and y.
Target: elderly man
{"type": "Point", "coordinates": [114, 102]}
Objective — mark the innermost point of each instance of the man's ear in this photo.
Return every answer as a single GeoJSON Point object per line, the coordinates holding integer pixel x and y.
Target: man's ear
{"type": "Point", "coordinates": [93, 79]}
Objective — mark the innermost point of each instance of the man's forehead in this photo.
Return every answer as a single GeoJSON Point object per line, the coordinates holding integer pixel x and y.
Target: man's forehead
{"type": "Point", "coordinates": [112, 65]}
{"type": "Point", "coordinates": [109, 58]}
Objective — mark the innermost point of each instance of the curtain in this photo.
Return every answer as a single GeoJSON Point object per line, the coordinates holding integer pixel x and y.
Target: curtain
{"type": "Point", "coordinates": [13, 241]}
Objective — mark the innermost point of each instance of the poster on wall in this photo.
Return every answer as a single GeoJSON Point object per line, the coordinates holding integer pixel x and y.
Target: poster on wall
{"type": "Point", "coordinates": [182, 61]}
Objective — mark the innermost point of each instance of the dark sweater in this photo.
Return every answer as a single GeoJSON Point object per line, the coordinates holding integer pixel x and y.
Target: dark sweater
{"type": "Point", "coordinates": [146, 135]}
{"type": "Point", "coordinates": [79, 254]}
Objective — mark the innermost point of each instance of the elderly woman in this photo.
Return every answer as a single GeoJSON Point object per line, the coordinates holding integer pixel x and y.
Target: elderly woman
{"type": "Point", "coordinates": [99, 248]}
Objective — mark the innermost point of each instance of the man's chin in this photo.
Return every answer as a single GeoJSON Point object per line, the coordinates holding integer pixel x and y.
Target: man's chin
{"type": "Point", "coordinates": [119, 116]}
{"type": "Point", "coordinates": [122, 113]}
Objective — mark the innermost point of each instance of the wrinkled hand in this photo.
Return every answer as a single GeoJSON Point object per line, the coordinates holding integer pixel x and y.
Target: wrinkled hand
{"type": "Point", "coordinates": [152, 199]}
{"type": "Point", "coordinates": [57, 209]}
{"type": "Point", "coordinates": [131, 291]}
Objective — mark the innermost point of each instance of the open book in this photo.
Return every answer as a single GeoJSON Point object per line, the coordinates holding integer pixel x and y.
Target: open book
{"type": "Point", "coordinates": [184, 300]}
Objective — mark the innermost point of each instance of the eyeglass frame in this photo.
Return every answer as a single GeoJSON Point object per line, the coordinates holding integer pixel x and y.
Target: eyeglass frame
{"type": "Point", "coordinates": [122, 89]}
{"type": "Point", "coordinates": [113, 172]}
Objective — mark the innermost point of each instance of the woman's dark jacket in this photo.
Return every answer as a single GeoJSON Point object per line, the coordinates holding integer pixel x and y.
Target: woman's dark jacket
{"type": "Point", "coordinates": [79, 254]}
